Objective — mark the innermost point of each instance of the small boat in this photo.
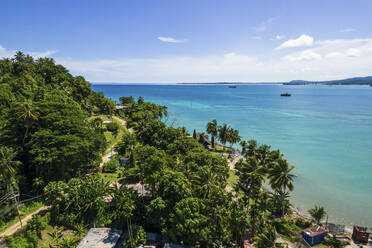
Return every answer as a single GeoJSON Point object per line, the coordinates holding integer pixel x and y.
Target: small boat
{"type": "Point", "coordinates": [285, 94]}
{"type": "Point", "coordinates": [232, 86]}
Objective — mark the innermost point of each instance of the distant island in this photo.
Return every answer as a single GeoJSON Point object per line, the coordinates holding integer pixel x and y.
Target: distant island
{"type": "Point", "coordinates": [348, 81]}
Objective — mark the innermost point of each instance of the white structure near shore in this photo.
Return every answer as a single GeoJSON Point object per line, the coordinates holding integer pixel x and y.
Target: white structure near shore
{"type": "Point", "coordinates": [101, 238]}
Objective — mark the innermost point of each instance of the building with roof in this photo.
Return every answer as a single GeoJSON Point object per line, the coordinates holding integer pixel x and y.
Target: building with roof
{"type": "Point", "coordinates": [101, 238]}
{"type": "Point", "coordinates": [314, 235]}
{"type": "Point", "coordinates": [360, 234]}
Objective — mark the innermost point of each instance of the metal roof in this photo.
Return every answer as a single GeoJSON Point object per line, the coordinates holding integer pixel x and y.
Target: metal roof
{"type": "Point", "coordinates": [100, 238]}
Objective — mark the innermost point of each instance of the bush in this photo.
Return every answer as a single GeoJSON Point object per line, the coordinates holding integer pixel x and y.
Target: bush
{"type": "Point", "coordinates": [287, 228]}
{"type": "Point", "coordinates": [111, 166]}
{"type": "Point", "coordinates": [113, 127]}
{"type": "Point", "coordinates": [302, 223]}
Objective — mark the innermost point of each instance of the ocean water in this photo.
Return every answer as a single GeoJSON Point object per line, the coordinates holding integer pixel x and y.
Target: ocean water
{"type": "Point", "coordinates": [325, 131]}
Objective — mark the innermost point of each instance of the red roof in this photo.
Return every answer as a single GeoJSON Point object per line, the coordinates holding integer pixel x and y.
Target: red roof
{"type": "Point", "coordinates": [315, 231]}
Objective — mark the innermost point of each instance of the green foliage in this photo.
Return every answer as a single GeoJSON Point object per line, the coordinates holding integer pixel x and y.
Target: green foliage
{"type": "Point", "coordinates": [287, 228]}
{"type": "Point", "coordinates": [111, 166]}
{"type": "Point", "coordinates": [317, 213]}
{"type": "Point", "coordinates": [113, 127]}
{"type": "Point", "coordinates": [29, 236]}
{"type": "Point", "coordinates": [302, 223]}
{"type": "Point", "coordinates": [127, 143]}
{"type": "Point", "coordinates": [333, 242]}
{"type": "Point", "coordinates": [136, 237]}
{"type": "Point", "coordinates": [44, 117]}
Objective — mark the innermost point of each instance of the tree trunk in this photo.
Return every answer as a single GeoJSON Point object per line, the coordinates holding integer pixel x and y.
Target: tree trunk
{"type": "Point", "coordinates": [26, 133]}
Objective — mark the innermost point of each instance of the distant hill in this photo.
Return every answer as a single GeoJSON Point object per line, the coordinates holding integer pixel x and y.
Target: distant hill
{"type": "Point", "coordinates": [348, 81]}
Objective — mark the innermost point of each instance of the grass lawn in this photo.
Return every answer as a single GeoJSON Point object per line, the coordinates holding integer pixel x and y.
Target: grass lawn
{"type": "Point", "coordinates": [233, 179]}
{"type": "Point", "coordinates": [24, 210]}
{"type": "Point", "coordinates": [110, 177]}
{"type": "Point", "coordinates": [66, 234]}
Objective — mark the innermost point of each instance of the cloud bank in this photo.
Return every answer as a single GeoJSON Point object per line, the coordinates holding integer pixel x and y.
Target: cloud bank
{"type": "Point", "coordinates": [326, 59]}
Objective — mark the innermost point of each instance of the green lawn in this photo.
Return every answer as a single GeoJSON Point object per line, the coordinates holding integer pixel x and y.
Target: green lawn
{"type": "Point", "coordinates": [110, 177]}
{"type": "Point", "coordinates": [24, 210]}
{"type": "Point", "coordinates": [233, 179]}
{"type": "Point", "coordinates": [46, 239]}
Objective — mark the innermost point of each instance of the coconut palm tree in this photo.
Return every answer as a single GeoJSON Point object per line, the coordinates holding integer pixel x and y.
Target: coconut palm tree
{"type": "Point", "coordinates": [251, 176]}
{"type": "Point", "coordinates": [28, 114]}
{"type": "Point", "coordinates": [252, 149]}
{"type": "Point", "coordinates": [7, 163]}
{"type": "Point", "coordinates": [212, 129]}
{"type": "Point", "coordinates": [223, 134]}
{"type": "Point", "coordinates": [317, 213]}
{"type": "Point", "coordinates": [281, 178]}
{"type": "Point", "coordinates": [244, 146]}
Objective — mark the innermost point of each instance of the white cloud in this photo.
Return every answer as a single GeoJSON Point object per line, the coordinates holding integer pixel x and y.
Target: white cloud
{"type": "Point", "coordinates": [304, 55]}
{"type": "Point", "coordinates": [346, 30]}
{"type": "Point", "coordinates": [326, 59]}
{"type": "Point", "coordinates": [170, 39]}
{"type": "Point", "coordinates": [353, 52]}
{"type": "Point", "coordinates": [5, 53]}
{"type": "Point", "coordinates": [279, 37]}
{"type": "Point", "coordinates": [42, 54]}
{"type": "Point", "coordinates": [303, 40]}
{"type": "Point", "coordinates": [263, 25]}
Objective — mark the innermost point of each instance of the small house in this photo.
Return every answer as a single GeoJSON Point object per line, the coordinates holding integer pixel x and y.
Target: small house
{"type": "Point", "coordinates": [314, 235]}
{"type": "Point", "coordinates": [203, 140]}
{"type": "Point", "coordinates": [360, 234]}
{"type": "Point", "coordinates": [106, 122]}
{"type": "Point", "coordinates": [101, 238]}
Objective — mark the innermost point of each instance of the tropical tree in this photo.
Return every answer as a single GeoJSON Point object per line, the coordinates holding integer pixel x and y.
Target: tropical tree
{"type": "Point", "coordinates": [28, 114]}
{"type": "Point", "coordinates": [281, 178]}
{"type": "Point", "coordinates": [7, 163]}
{"type": "Point", "coordinates": [267, 238]}
{"type": "Point", "coordinates": [223, 134]}
{"type": "Point", "coordinates": [244, 146]}
{"type": "Point", "coordinates": [212, 129]}
{"type": "Point", "coordinates": [317, 213]}
{"type": "Point", "coordinates": [251, 176]}
{"type": "Point", "coordinates": [333, 242]}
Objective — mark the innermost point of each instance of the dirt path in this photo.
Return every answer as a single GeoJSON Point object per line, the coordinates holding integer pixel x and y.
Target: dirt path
{"type": "Point", "coordinates": [110, 150]}
{"type": "Point", "coordinates": [12, 229]}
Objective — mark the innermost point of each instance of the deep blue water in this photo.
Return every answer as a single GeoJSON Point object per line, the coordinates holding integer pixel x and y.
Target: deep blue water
{"type": "Point", "coordinates": [325, 131]}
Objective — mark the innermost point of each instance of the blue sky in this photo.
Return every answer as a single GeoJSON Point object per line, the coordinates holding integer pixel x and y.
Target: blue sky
{"type": "Point", "coordinates": [194, 41]}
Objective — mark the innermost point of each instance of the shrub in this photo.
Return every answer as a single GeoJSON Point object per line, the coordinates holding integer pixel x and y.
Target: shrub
{"type": "Point", "coordinates": [111, 166]}
{"type": "Point", "coordinates": [302, 223]}
{"type": "Point", "coordinates": [113, 127]}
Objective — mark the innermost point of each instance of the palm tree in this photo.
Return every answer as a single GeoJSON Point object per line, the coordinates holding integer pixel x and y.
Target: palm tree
{"type": "Point", "coordinates": [252, 149]}
{"type": "Point", "coordinates": [27, 113]}
{"type": "Point", "coordinates": [244, 146]}
{"type": "Point", "coordinates": [223, 134]}
{"type": "Point", "coordinates": [212, 129]}
{"type": "Point", "coordinates": [317, 213]}
{"type": "Point", "coordinates": [7, 164]}
{"type": "Point", "coordinates": [233, 136]}
{"type": "Point", "coordinates": [251, 176]}
{"type": "Point", "coordinates": [280, 177]}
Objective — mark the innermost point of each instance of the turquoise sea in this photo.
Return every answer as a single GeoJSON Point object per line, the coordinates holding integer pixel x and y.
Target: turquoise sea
{"type": "Point", "coordinates": [325, 131]}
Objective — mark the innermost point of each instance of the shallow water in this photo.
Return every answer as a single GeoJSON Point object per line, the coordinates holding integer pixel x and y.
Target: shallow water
{"type": "Point", "coordinates": [326, 131]}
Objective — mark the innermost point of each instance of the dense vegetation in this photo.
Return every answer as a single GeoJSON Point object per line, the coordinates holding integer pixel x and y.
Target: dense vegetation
{"type": "Point", "coordinates": [171, 183]}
